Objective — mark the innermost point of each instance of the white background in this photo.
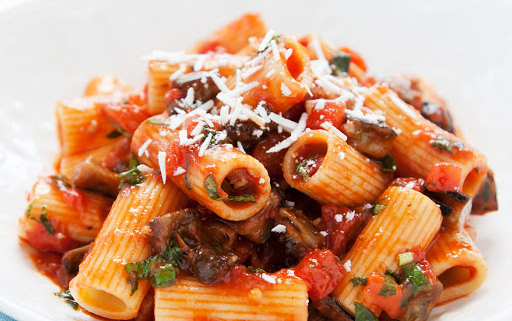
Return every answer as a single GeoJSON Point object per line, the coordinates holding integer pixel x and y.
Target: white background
{"type": "Point", "coordinates": [49, 49]}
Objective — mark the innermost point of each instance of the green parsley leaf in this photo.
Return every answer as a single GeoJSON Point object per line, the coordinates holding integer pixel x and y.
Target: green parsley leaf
{"type": "Point", "coordinates": [340, 63]}
{"type": "Point", "coordinates": [45, 222]}
{"type": "Point", "coordinates": [357, 280]}
{"type": "Point", "coordinates": [29, 209]}
{"type": "Point", "coordinates": [388, 287]}
{"type": "Point", "coordinates": [302, 170]}
{"type": "Point", "coordinates": [68, 298]}
{"type": "Point", "coordinates": [394, 275]}
{"type": "Point", "coordinates": [363, 314]}
{"type": "Point", "coordinates": [377, 207]}
{"type": "Point", "coordinates": [443, 143]}
{"type": "Point", "coordinates": [252, 269]}
{"type": "Point", "coordinates": [416, 276]}
{"type": "Point", "coordinates": [131, 177]}
{"type": "Point", "coordinates": [215, 136]}
{"type": "Point", "coordinates": [211, 188]}
{"type": "Point", "coordinates": [388, 164]}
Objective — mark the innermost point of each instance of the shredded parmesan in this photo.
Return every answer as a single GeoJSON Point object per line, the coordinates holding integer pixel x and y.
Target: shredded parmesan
{"type": "Point", "coordinates": [338, 218]}
{"type": "Point", "coordinates": [289, 125]}
{"type": "Point", "coordinates": [262, 180]}
{"type": "Point", "coordinates": [333, 130]}
{"type": "Point", "coordinates": [348, 265]}
{"type": "Point", "coordinates": [285, 90]}
{"type": "Point", "coordinates": [275, 50]}
{"type": "Point", "coordinates": [161, 162]}
{"type": "Point", "coordinates": [179, 171]}
{"type": "Point", "coordinates": [205, 145]}
{"type": "Point", "coordinates": [324, 233]}
{"type": "Point", "coordinates": [144, 146]}
{"type": "Point", "coordinates": [240, 147]}
{"type": "Point", "coordinates": [403, 106]}
{"type": "Point", "coordinates": [296, 133]}
{"type": "Point", "coordinates": [280, 228]}
{"type": "Point", "coordinates": [144, 169]}
{"type": "Point", "coordinates": [350, 215]}
{"type": "Point", "coordinates": [264, 43]}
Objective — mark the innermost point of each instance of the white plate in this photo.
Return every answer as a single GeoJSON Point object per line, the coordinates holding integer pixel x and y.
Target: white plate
{"type": "Point", "coordinates": [48, 50]}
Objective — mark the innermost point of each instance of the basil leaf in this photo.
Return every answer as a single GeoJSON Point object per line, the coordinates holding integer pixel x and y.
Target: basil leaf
{"type": "Point", "coordinates": [388, 164]}
{"type": "Point", "coordinates": [68, 298]}
{"type": "Point", "coordinates": [443, 143]}
{"type": "Point", "coordinates": [377, 207]}
{"type": "Point", "coordinates": [302, 170]}
{"type": "Point", "coordinates": [340, 64]}
{"type": "Point", "coordinates": [252, 269]}
{"type": "Point", "coordinates": [388, 287]}
{"type": "Point", "coordinates": [394, 275]}
{"type": "Point", "coordinates": [155, 121]}
{"type": "Point", "coordinates": [46, 223]}
{"type": "Point", "coordinates": [211, 189]}
{"type": "Point", "coordinates": [363, 314]}
{"type": "Point", "coordinates": [131, 177]}
{"type": "Point", "coordinates": [114, 134]}
{"type": "Point", "coordinates": [29, 209]}
{"type": "Point", "coordinates": [215, 136]}
{"type": "Point", "coordinates": [119, 129]}
{"type": "Point", "coordinates": [165, 276]}
{"type": "Point", "coordinates": [357, 280]}
{"type": "Point", "coordinates": [416, 276]}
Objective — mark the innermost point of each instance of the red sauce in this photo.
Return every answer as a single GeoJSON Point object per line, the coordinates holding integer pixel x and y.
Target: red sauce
{"type": "Point", "coordinates": [444, 177]}
{"type": "Point", "coordinates": [39, 238]}
{"type": "Point", "coordinates": [273, 162]}
{"type": "Point", "coordinates": [46, 262]}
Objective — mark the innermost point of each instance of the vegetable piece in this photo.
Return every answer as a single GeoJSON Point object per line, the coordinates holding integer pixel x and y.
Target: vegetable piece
{"type": "Point", "coordinates": [211, 187]}
{"type": "Point", "coordinates": [415, 275]}
{"type": "Point", "coordinates": [388, 287]}
{"type": "Point", "coordinates": [443, 143]}
{"type": "Point", "coordinates": [388, 300]}
{"type": "Point", "coordinates": [405, 258]}
{"type": "Point", "coordinates": [455, 207]}
{"type": "Point", "coordinates": [373, 138]}
{"type": "Point", "coordinates": [486, 200]}
{"type": "Point", "coordinates": [322, 271]}
{"type": "Point", "coordinates": [358, 280]}
{"type": "Point", "coordinates": [331, 309]}
{"type": "Point", "coordinates": [68, 298]}
{"type": "Point", "coordinates": [419, 306]}
{"type": "Point", "coordinates": [444, 177]}
{"type": "Point", "coordinates": [202, 83]}
{"type": "Point", "coordinates": [160, 269]}
{"type": "Point", "coordinates": [340, 63]}
{"type": "Point", "coordinates": [92, 176]}
{"type": "Point", "coordinates": [363, 314]}
{"type": "Point", "coordinates": [388, 164]}
{"type": "Point", "coordinates": [70, 263]}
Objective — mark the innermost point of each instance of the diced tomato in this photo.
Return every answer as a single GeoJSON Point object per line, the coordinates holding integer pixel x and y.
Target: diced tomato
{"type": "Point", "coordinates": [173, 94]}
{"type": "Point", "coordinates": [355, 57]}
{"type": "Point", "coordinates": [39, 238]}
{"type": "Point", "coordinates": [127, 116]}
{"type": "Point", "coordinates": [322, 271]}
{"type": "Point", "coordinates": [390, 304]}
{"type": "Point", "coordinates": [342, 233]}
{"type": "Point", "coordinates": [332, 112]}
{"type": "Point", "coordinates": [416, 184]}
{"type": "Point", "coordinates": [444, 177]}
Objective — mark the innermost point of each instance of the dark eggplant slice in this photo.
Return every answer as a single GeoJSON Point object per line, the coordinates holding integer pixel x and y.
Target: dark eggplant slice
{"type": "Point", "coordinates": [301, 235]}
{"type": "Point", "coordinates": [92, 176]}
{"type": "Point", "coordinates": [420, 306]}
{"type": "Point", "coordinates": [486, 199]}
{"type": "Point", "coordinates": [203, 85]}
{"type": "Point", "coordinates": [374, 139]}
{"type": "Point", "coordinates": [70, 262]}
{"type": "Point", "coordinates": [331, 309]}
{"type": "Point", "coordinates": [455, 207]}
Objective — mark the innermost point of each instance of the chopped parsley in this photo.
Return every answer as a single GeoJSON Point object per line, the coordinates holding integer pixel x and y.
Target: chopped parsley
{"type": "Point", "coordinates": [443, 143]}
{"type": "Point", "coordinates": [68, 298]}
{"type": "Point", "coordinates": [377, 207]}
{"type": "Point", "coordinates": [131, 177]}
{"type": "Point", "coordinates": [415, 275]}
{"type": "Point", "coordinates": [160, 269]}
{"type": "Point", "coordinates": [118, 129]}
{"type": "Point", "coordinates": [340, 64]}
{"type": "Point", "coordinates": [394, 275]}
{"type": "Point", "coordinates": [363, 314]}
{"type": "Point", "coordinates": [215, 136]}
{"type": "Point", "coordinates": [388, 164]}
{"type": "Point", "coordinates": [211, 188]}
{"type": "Point", "coordinates": [43, 218]}
{"type": "Point", "coordinates": [357, 280]}
{"type": "Point", "coordinates": [302, 170]}
{"type": "Point", "coordinates": [388, 287]}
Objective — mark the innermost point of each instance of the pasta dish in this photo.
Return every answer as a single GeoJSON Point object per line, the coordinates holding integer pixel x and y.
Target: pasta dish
{"type": "Point", "coordinates": [260, 176]}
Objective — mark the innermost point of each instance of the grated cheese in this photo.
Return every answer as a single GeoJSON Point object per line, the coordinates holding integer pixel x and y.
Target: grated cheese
{"type": "Point", "coordinates": [205, 145]}
{"type": "Point", "coordinates": [240, 147]}
{"type": "Point", "coordinates": [289, 125]}
{"type": "Point", "coordinates": [348, 265]}
{"type": "Point", "coordinates": [288, 53]}
{"type": "Point", "coordinates": [295, 134]}
{"type": "Point", "coordinates": [144, 169]}
{"type": "Point", "coordinates": [350, 215]}
{"type": "Point", "coordinates": [144, 146]}
{"type": "Point", "coordinates": [264, 43]}
{"type": "Point", "coordinates": [403, 106]}
{"type": "Point", "coordinates": [262, 180]}
{"type": "Point", "coordinates": [275, 50]}
{"type": "Point", "coordinates": [179, 171]}
{"type": "Point", "coordinates": [161, 162]}
{"type": "Point", "coordinates": [280, 228]}
{"type": "Point", "coordinates": [333, 130]}
{"type": "Point", "coordinates": [324, 233]}
{"type": "Point", "coordinates": [178, 72]}
{"type": "Point", "coordinates": [338, 218]}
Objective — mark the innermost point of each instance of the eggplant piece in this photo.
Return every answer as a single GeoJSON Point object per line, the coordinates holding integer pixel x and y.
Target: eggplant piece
{"type": "Point", "coordinates": [184, 222]}
{"type": "Point", "coordinates": [486, 199]}
{"type": "Point", "coordinates": [69, 264]}
{"type": "Point", "coordinates": [419, 307]}
{"type": "Point", "coordinates": [455, 207]}
{"type": "Point", "coordinates": [331, 309]}
{"type": "Point", "coordinates": [92, 176]}
{"type": "Point", "coordinates": [209, 264]}
{"type": "Point", "coordinates": [218, 232]}
{"type": "Point", "coordinates": [257, 228]}
{"type": "Point", "coordinates": [374, 139]}
{"type": "Point", "coordinates": [301, 235]}
{"type": "Point", "coordinates": [203, 85]}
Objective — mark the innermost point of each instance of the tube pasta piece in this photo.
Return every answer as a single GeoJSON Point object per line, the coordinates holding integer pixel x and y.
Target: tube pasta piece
{"type": "Point", "coordinates": [105, 84]}
{"type": "Point", "coordinates": [342, 177]}
{"type": "Point", "coordinates": [191, 300]}
{"type": "Point", "coordinates": [421, 144]}
{"type": "Point", "coordinates": [280, 81]}
{"type": "Point", "coordinates": [101, 286]}
{"type": "Point", "coordinates": [409, 219]}
{"type": "Point", "coordinates": [201, 177]}
{"type": "Point", "coordinates": [458, 264]}
{"type": "Point", "coordinates": [75, 216]}
{"type": "Point", "coordinates": [81, 125]}
{"type": "Point", "coordinates": [234, 36]}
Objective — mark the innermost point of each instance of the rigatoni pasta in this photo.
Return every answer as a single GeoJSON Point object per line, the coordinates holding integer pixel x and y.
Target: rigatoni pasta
{"type": "Point", "coordinates": [260, 176]}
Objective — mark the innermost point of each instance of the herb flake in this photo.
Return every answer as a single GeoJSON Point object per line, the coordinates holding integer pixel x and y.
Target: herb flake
{"type": "Point", "coordinates": [302, 170]}
{"type": "Point", "coordinates": [394, 275]}
{"type": "Point", "coordinates": [363, 314]}
{"type": "Point", "coordinates": [131, 177]}
{"type": "Point", "coordinates": [252, 269]}
{"type": "Point", "coordinates": [443, 143]}
{"type": "Point", "coordinates": [340, 63]}
{"type": "Point", "coordinates": [388, 164]}
{"type": "Point", "coordinates": [388, 287]}
{"type": "Point", "coordinates": [68, 298]}
{"type": "Point", "coordinates": [211, 189]}
{"type": "Point", "coordinates": [416, 276]}
{"type": "Point", "coordinates": [119, 129]}
{"type": "Point", "coordinates": [357, 280]}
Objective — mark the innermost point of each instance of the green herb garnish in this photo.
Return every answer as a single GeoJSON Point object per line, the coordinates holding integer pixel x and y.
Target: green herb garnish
{"type": "Point", "coordinates": [131, 177]}
{"type": "Point", "coordinates": [415, 275]}
{"type": "Point", "coordinates": [394, 275]}
{"type": "Point", "coordinates": [211, 188]}
{"type": "Point", "coordinates": [252, 269]}
{"type": "Point", "coordinates": [43, 219]}
{"type": "Point", "coordinates": [68, 298]}
{"type": "Point", "coordinates": [119, 129]}
{"type": "Point", "coordinates": [363, 314]}
{"type": "Point", "coordinates": [388, 287]}
{"type": "Point", "coordinates": [301, 169]}
{"type": "Point", "coordinates": [215, 136]}
{"type": "Point", "coordinates": [340, 64]}
{"type": "Point", "coordinates": [357, 280]}
{"type": "Point", "coordinates": [377, 207]}
{"type": "Point", "coordinates": [160, 269]}
{"type": "Point", "coordinates": [388, 164]}
{"type": "Point", "coordinates": [114, 134]}
{"type": "Point", "coordinates": [155, 120]}
{"type": "Point", "coordinates": [443, 143]}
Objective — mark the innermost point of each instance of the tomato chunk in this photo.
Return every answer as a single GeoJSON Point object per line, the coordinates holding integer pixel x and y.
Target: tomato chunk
{"type": "Point", "coordinates": [384, 300]}
{"type": "Point", "coordinates": [444, 177]}
{"type": "Point", "coordinates": [322, 271]}
{"type": "Point", "coordinates": [329, 111]}
{"type": "Point", "coordinates": [127, 116]}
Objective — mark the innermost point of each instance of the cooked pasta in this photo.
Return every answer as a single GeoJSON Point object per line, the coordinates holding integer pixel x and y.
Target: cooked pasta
{"type": "Point", "coordinates": [260, 176]}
